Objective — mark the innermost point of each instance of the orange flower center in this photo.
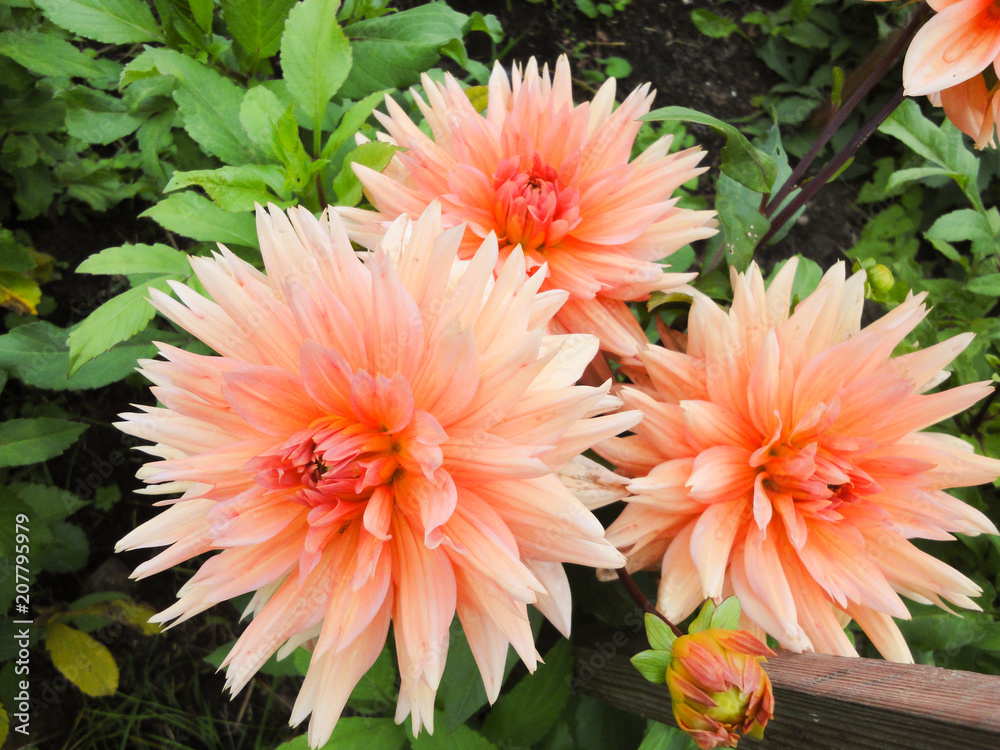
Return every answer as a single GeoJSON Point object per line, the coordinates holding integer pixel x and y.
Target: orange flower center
{"type": "Point", "coordinates": [814, 473]}
{"type": "Point", "coordinates": [336, 463]}
{"type": "Point", "coordinates": [532, 209]}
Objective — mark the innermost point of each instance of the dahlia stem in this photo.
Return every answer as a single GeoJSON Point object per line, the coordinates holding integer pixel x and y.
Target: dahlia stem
{"type": "Point", "coordinates": [882, 63]}
{"type": "Point", "coordinates": [833, 166]}
{"type": "Point", "coordinates": [640, 599]}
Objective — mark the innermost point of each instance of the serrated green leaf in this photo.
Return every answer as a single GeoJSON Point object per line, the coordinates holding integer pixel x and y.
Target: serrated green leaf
{"type": "Point", "coordinates": [4, 725]}
{"type": "Point", "coordinates": [47, 54]}
{"type": "Point", "coordinates": [234, 189]}
{"type": "Point", "coordinates": [652, 665]}
{"type": "Point", "coordinates": [107, 21]}
{"type": "Point", "coordinates": [659, 634]}
{"type": "Point", "coordinates": [351, 122]}
{"type": "Point", "coordinates": [259, 114]}
{"type": "Point", "coordinates": [100, 127]}
{"type": "Point", "coordinates": [375, 155]}
{"type": "Point", "coordinates": [256, 25]}
{"type": "Point", "coordinates": [357, 733]}
{"type": "Point", "coordinates": [727, 614]}
{"type": "Point", "coordinates": [527, 713]}
{"type": "Point", "coordinates": [393, 50]}
{"type": "Point", "coordinates": [943, 145]}
{"type": "Point", "coordinates": [28, 441]}
{"type": "Point", "coordinates": [209, 103]}
{"type": "Point", "coordinates": [315, 56]}
{"type": "Point", "coordinates": [47, 503]}
{"type": "Point", "coordinates": [118, 319]}
{"type": "Point", "coordinates": [988, 284]}
{"type": "Point", "coordinates": [194, 216]}
{"type": "Point", "coordinates": [84, 661]}
{"type": "Point", "coordinates": [129, 259]}
{"type": "Point", "coordinates": [37, 354]}
{"type": "Point", "coordinates": [740, 160]}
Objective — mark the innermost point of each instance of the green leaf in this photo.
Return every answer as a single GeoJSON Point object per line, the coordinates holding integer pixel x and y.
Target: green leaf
{"type": "Point", "coordinates": [652, 665]}
{"type": "Point", "coordinates": [194, 216]}
{"type": "Point", "coordinates": [315, 56]}
{"type": "Point", "coordinates": [942, 144]}
{"type": "Point", "coordinates": [659, 634]}
{"type": "Point", "coordinates": [703, 621]}
{"type": "Point", "coordinates": [393, 50]}
{"type": "Point", "coordinates": [47, 54]}
{"type": "Point", "coordinates": [967, 224]}
{"type": "Point", "coordinates": [374, 154]}
{"type": "Point", "coordinates": [259, 114]}
{"type": "Point", "coordinates": [351, 122]}
{"type": "Point", "coordinates": [116, 320]}
{"type": "Point", "coordinates": [37, 354]}
{"type": "Point", "coordinates": [740, 160]}
{"type": "Point", "coordinates": [712, 25]}
{"type": "Point", "coordinates": [256, 25]}
{"type": "Point", "coordinates": [357, 733]}
{"type": "Point", "coordinates": [96, 117]}
{"type": "Point", "coordinates": [47, 503]}
{"type": "Point", "coordinates": [107, 21]}
{"type": "Point", "coordinates": [233, 188]}
{"type": "Point", "coordinates": [727, 614]}
{"type": "Point", "coordinates": [128, 259]}
{"type": "Point", "coordinates": [28, 441]}
{"type": "Point", "coordinates": [988, 284]}
{"type": "Point", "coordinates": [83, 660]}
{"type": "Point", "coordinates": [741, 224]}
{"type": "Point", "coordinates": [209, 104]}
{"type": "Point", "coordinates": [662, 737]}
{"type": "Point", "coordinates": [459, 738]}
{"type": "Point", "coordinates": [527, 713]}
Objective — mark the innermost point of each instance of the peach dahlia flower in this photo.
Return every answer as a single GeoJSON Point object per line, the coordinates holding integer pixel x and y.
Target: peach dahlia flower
{"type": "Point", "coordinates": [552, 177]}
{"type": "Point", "coordinates": [781, 458]}
{"type": "Point", "coordinates": [374, 442]}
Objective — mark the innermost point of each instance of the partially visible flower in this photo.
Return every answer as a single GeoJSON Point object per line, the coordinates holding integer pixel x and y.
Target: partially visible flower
{"type": "Point", "coordinates": [718, 689]}
{"type": "Point", "coordinates": [375, 443]}
{"type": "Point", "coordinates": [551, 177]}
{"type": "Point", "coordinates": [782, 459]}
{"type": "Point", "coordinates": [954, 59]}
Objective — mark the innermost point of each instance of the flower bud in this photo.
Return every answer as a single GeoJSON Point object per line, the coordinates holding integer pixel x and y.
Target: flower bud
{"type": "Point", "coordinates": [718, 688]}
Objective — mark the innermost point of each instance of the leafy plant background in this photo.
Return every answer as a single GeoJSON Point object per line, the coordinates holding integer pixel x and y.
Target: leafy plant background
{"type": "Point", "coordinates": [135, 133]}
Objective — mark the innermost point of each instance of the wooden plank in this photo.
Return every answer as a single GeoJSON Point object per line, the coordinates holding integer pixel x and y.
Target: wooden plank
{"type": "Point", "coordinates": [824, 702]}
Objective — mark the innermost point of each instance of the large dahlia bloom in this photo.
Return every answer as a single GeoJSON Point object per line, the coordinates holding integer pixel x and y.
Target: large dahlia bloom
{"type": "Point", "coordinates": [374, 442]}
{"type": "Point", "coordinates": [781, 458]}
{"type": "Point", "coordinates": [552, 178]}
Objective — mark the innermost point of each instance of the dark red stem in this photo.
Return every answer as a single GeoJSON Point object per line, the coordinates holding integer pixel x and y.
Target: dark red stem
{"type": "Point", "coordinates": [640, 599]}
{"type": "Point", "coordinates": [878, 70]}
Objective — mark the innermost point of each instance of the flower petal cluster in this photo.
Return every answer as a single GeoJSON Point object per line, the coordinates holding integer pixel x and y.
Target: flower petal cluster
{"type": "Point", "coordinates": [782, 459]}
{"type": "Point", "coordinates": [551, 177]}
{"type": "Point", "coordinates": [718, 689]}
{"type": "Point", "coordinates": [374, 442]}
{"type": "Point", "coordinates": [953, 59]}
